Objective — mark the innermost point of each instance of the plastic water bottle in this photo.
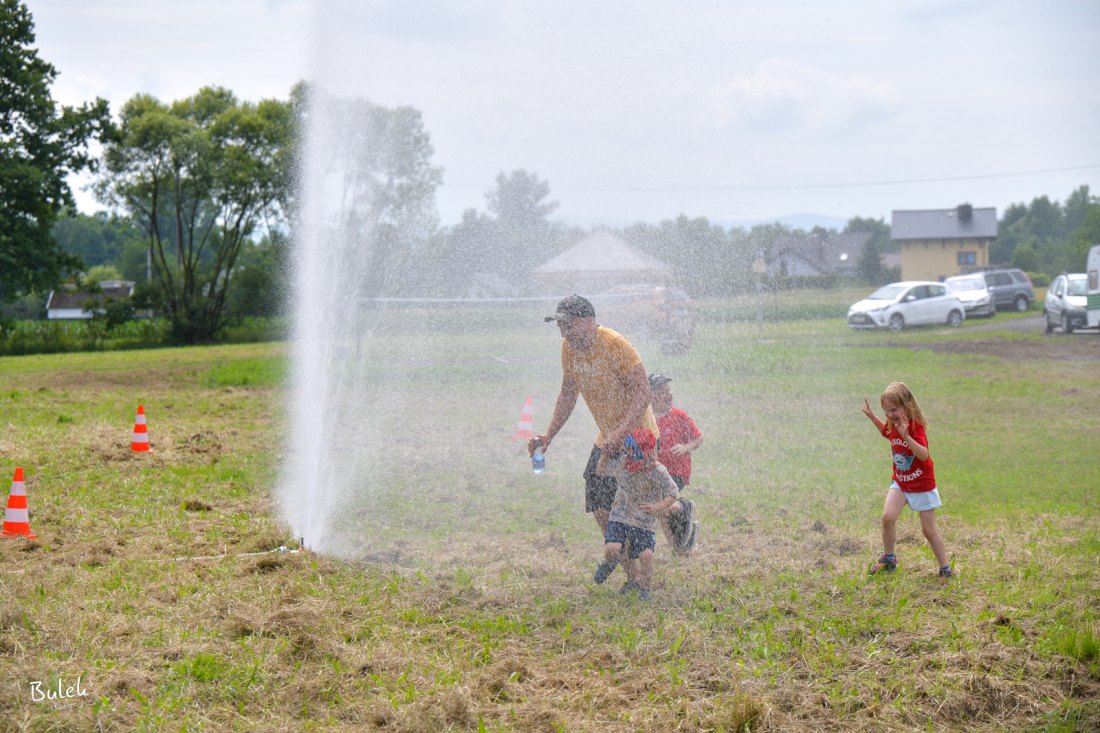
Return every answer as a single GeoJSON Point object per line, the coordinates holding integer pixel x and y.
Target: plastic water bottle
{"type": "Point", "coordinates": [538, 461]}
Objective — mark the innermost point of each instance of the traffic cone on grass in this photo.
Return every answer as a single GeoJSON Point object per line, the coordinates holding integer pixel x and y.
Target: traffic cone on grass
{"type": "Point", "coordinates": [140, 441]}
{"type": "Point", "coordinates": [526, 427]}
{"type": "Point", "coordinates": [16, 520]}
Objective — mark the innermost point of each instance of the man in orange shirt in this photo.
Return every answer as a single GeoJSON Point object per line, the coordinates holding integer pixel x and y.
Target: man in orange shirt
{"type": "Point", "coordinates": [600, 365]}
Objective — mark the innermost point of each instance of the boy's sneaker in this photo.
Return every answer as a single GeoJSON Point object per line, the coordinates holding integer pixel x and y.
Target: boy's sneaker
{"type": "Point", "coordinates": [946, 574]}
{"type": "Point", "coordinates": [632, 586]}
{"type": "Point", "coordinates": [884, 565]}
{"type": "Point", "coordinates": [603, 572]}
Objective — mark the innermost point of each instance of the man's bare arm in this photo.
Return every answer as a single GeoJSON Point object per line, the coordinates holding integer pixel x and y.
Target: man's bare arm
{"type": "Point", "coordinates": [563, 408]}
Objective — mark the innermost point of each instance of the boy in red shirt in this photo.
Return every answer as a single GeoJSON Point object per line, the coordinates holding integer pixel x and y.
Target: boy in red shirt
{"type": "Point", "coordinates": [680, 437]}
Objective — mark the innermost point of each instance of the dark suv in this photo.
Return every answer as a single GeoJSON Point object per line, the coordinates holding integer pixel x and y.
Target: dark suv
{"type": "Point", "coordinates": [1010, 288]}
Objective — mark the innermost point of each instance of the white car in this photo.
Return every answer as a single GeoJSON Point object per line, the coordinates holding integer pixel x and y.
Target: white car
{"type": "Point", "coordinates": [910, 303]}
{"type": "Point", "coordinates": [974, 294]}
{"type": "Point", "coordinates": [1066, 301]}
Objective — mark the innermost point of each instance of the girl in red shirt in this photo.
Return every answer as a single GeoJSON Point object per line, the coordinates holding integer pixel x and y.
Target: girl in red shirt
{"type": "Point", "coordinates": [914, 481]}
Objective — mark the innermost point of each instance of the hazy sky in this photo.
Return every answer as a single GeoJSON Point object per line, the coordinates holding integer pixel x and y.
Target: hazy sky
{"type": "Point", "coordinates": [635, 110]}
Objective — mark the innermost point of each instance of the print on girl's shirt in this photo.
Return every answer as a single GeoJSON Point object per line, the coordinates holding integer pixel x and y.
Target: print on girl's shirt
{"type": "Point", "coordinates": [903, 462]}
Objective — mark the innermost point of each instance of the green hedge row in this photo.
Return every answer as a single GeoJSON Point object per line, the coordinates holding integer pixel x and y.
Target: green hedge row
{"type": "Point", "coordinates": [52, 337]}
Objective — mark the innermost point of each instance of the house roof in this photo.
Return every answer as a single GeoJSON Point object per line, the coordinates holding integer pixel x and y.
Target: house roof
{"type": "Point", "coordinates": [944, 224]}
{"type": "Point", "coordinates": [601, 252]}
{"type": "Point", "coordinates": [829, 253]}
{"type": "Point", "coordinates": [70, 297]}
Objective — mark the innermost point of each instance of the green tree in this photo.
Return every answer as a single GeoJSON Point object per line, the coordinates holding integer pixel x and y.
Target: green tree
{"type": "Point", "coordinates": [515, 240]}
{"type": "Point", "coordinates": [471, 250]}
{"type": "Point", "coordinates": [1011, 231]}
{"type": "Point", "coordinates": [99, 239]}
{"type": "Point", "coordinates": [878, 229]}
{"type": "Point", "coordinates": [40, 145]}
{"type": "Point", "coordinates": [694, 249]}
{"type": "Point", "coordinates": [106, 317]}
{"type": "Point", "coordinates": [520, 205]}
{"type": "Point", "coordinates": [514, 237]}
{"type": "Point", "coordinates": [1085, 236]}
{"type": "Point", "coordinates": [1076, 209]}
{"type": "Point", "coordinates": [870, 266]}
{"type": "Point", "coordinates": [260, 285]}
{"type": "Point", "coordinates": [1039, 237]}
{"type": "Point", "coordinates": [100, 273]}
{"type": "Point", "coordinates": [1026, 257]}
{"type": "Point", "coordinates": [202, 176]}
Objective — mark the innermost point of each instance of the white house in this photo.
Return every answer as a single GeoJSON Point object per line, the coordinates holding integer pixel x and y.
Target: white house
{"type": "Point", "coordinates": [70, 303]}
{"type": "Point", "coordinates": [598, 262]}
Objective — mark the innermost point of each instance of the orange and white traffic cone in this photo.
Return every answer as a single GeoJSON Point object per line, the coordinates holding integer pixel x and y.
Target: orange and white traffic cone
{"type": "Point", "coordinates": [526, 426]}
{"type": "Point", "coordinates": [17, 522]}
{"type": "Point", "coordinates": [140, 441]}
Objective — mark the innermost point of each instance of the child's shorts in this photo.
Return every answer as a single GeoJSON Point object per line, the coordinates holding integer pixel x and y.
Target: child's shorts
{"type": "Point", "coordinates": [920, 501]}
{"type": "Point", "coordinates": [637, 538]}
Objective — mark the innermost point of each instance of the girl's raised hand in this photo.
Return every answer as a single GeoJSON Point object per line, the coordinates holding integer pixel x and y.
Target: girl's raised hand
{"type": "Point", "coordinates": [867, 409]}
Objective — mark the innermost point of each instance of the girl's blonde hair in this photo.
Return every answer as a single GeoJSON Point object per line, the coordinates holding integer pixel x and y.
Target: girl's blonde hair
{"type": "Point", "coordinates": [899, 394]}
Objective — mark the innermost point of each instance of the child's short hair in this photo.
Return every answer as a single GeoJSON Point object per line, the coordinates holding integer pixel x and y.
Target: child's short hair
{"type": "Point", "coordinates": [900, 394]}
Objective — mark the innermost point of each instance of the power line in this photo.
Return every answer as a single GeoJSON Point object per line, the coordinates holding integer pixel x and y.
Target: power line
{"type": "Point", "coordinates": [800, 186]}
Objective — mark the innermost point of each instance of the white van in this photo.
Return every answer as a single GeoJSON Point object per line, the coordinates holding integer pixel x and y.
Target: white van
{"type": "Point", "coordinates": [1092, 309]}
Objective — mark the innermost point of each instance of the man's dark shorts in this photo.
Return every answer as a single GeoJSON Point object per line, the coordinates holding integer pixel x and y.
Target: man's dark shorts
{"type": "Point", "coordinates": [637, 539]}
{"type": "Point", "coordinates": [599, 491]}
{"type": "Point", "coordinates": [679, 481]}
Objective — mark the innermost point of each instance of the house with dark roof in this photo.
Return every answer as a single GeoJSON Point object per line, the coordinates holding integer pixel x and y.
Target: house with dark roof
{"type": "Point", "coordinates": [70, 303]}
{"type": "Point", "coordinates": [939, 243]}
{"type": "Point", "coordinates": [811, 255]}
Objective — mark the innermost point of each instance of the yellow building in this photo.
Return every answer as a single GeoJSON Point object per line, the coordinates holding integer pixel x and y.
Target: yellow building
{"type": "Point", "coordinates": [939, 243]}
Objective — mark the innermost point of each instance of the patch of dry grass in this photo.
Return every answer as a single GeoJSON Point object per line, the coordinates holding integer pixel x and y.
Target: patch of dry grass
{"type": "Point", "coordinates": [154, 581]}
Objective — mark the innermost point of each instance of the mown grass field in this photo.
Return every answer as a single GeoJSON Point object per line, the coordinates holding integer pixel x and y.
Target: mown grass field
{"type": "Point", "coordinates": [462, 598]}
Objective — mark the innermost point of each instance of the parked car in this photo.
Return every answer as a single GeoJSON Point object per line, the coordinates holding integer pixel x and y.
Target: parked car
{"type": "Point", "coordinates": [974, 294]}
{"type": "Point", "coordinates": [1092, 309]}
{"type": "Point", "coordinates": [911, 303]}
{"type": "Point", "coordinates": [1065, 303]}
{"type": "Point", "coordinates": [660, 312]}
{"type": "Point", "coordinates": [1010, 288]}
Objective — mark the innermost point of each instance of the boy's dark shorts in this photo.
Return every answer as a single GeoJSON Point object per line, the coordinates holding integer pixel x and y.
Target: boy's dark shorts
{"type": "Point", "coordinates": [678, 480]}
{"type": "Point", "coordinates": [599, 491]}
{"type": "Point", "coordinates": [636, 538]}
